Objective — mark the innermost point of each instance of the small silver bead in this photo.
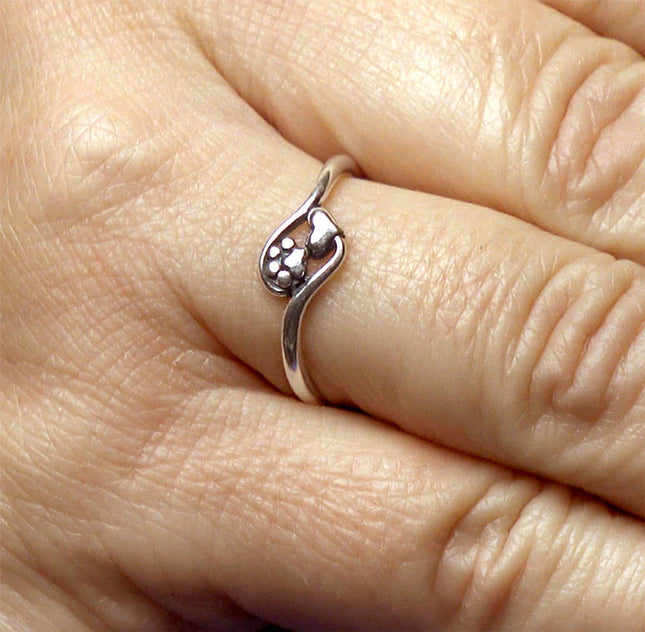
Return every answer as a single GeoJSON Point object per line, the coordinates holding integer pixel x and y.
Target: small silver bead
{"type": "Point", "coordinates": [288, 243]}
{"type": "Point", "coordinates": [274, 252]}
{"type": "Point", "coordinates": [284, 278]}
{"type": "Point", "coordinates": [273, 268]}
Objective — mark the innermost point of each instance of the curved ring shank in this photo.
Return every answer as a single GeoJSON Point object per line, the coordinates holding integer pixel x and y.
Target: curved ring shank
{"type": "Point", "coordinates": [297, 375]}
{"type": "Point", "coordinates": [283, 275]}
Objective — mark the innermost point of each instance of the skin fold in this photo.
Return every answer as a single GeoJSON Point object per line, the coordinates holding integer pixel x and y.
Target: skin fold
{"type": "Point", "coordinates": [480, 463]}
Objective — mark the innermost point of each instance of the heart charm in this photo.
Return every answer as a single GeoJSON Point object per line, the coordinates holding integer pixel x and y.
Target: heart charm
{"type": "Point", "coordinates": [323, 230]}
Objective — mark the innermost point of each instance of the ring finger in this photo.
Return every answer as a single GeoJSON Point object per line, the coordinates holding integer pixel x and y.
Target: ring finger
{"type": "Point", "coordinates": [455, 322]}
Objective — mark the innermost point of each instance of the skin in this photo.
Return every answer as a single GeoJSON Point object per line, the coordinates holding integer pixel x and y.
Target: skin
{"type": "Point", "coordinates": [481, 461]}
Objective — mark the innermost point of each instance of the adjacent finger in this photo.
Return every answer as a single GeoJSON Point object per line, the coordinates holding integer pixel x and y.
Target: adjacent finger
{"type": "Point", "coordinates": [316, 518]}
{"type": "Point", "coordinates": [323, 517]}
{"type": "Point", "coordinates": [506, 104]}
{"type": "Point", "coordinates": [623, 20]}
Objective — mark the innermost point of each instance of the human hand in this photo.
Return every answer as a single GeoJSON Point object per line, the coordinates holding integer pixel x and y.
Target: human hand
{"type": "Point", "coordinates": [156, 473]}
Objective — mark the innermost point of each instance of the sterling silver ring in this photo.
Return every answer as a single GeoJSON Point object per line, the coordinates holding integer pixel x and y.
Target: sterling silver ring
{"type": "Point", "coordinates": [296, 271]}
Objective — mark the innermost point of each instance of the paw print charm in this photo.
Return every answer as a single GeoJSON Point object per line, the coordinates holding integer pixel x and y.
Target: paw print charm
{"type": "Point", "coordinates": [286, 264]}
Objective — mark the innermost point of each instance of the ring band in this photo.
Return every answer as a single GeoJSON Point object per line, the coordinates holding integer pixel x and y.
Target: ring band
{"type": "Point", "coordinates": [284, 268]}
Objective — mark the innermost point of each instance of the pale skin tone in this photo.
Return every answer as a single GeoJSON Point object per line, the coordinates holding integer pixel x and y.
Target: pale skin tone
{"type": "Point", "coordinates": [481, 461]}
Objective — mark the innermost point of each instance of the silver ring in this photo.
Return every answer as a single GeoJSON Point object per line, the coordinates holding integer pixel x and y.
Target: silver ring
{"type": "Point", "coordinates": [299, 271]}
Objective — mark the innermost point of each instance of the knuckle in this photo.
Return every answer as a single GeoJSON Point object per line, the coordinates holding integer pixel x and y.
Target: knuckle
{"type": "Point", "coordinates": [83, 134]}
{"type": "Point", "coordinates": [524, 553]}
{"type": "Point", "coordinates": [501, 549]}
{"type": "Point", "coordinates": [89, 153]}
{"type": "Point", "coordinates": [585, 329]}
{"type": "Point", "coordinates": [595, 131]}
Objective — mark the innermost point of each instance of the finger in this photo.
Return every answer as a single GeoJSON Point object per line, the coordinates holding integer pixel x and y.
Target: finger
{"type": "Point", "coordinates": [323, 518]}
{"type": "Point", "coordinates": [506, 104]}
{"type": "Point", "coordinates": [456, 323]}
{"type": "Point", "coordinates": [623, 20]}
{"type": "Point", "coordinates": [316, 518]}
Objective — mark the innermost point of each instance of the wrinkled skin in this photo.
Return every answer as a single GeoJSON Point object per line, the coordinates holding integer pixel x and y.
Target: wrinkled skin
{"type": "Point", "coordinates": [481, 461]}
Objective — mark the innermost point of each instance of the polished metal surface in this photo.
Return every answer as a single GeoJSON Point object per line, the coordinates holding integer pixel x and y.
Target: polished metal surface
{"type": "Point", "coordinates": [285, 268]}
